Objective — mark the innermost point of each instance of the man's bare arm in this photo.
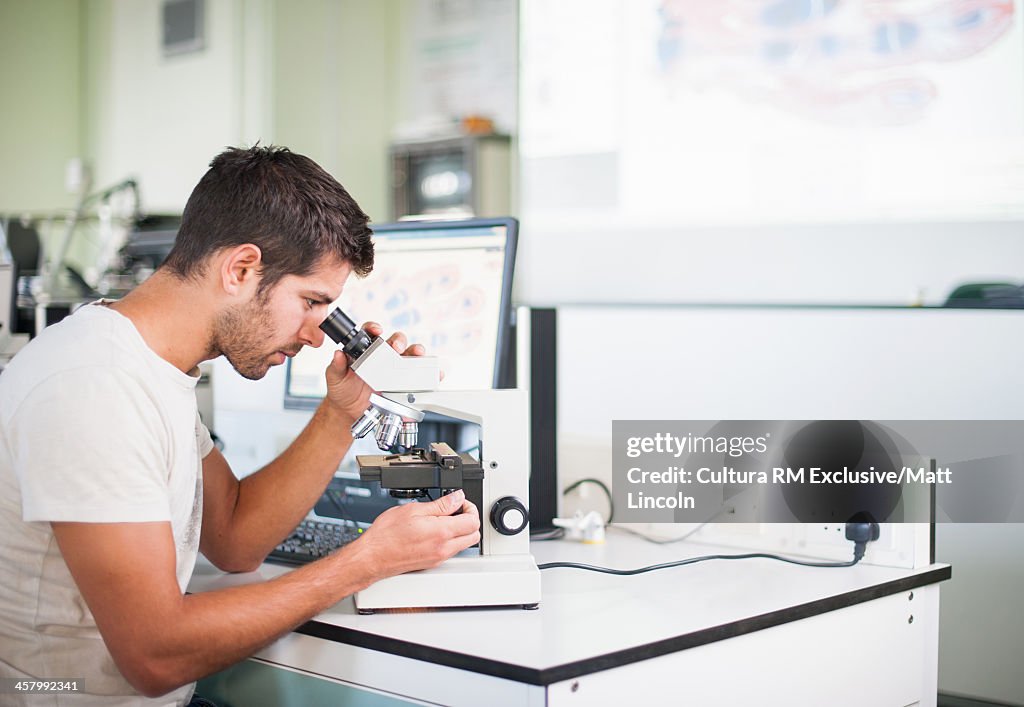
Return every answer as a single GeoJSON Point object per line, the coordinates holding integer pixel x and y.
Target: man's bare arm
{"type": "Point", "coordinates": [160, 639]}
{"type": "Point", "coordinates": [243, 521]}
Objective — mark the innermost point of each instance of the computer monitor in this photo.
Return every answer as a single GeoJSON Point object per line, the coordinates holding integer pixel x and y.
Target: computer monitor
{"type": "Point", "coordinates": [446, 285]}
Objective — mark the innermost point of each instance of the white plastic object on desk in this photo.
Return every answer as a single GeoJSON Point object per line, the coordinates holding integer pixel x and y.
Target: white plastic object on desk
{"type": "Point", "coordinates": [587, 528]}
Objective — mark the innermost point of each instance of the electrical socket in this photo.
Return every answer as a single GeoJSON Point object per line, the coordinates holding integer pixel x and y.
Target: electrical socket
{"type": "Point", "coordinates": [834, 535]}
{"type": "Point", "coordinates": [826, 534]}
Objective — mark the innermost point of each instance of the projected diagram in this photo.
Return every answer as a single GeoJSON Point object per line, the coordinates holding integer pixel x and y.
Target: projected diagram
{"type": "Point", "coordinates": [840, 61]}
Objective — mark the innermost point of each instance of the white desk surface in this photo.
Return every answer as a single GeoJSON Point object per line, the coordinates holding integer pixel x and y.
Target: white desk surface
{"type": "Point", "coordinates": [590, 621]}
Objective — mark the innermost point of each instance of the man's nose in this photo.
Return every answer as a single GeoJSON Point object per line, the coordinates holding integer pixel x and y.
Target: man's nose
{"type": "Point", "coordinates": [311, 334]}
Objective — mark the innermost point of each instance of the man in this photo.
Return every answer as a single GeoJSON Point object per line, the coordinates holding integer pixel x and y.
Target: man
{"type": "Point", "coordinates": [109, 484]}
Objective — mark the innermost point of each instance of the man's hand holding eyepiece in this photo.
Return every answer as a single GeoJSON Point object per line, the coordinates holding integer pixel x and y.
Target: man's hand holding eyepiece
{"type": "Point", "coordinates": [346, 391]}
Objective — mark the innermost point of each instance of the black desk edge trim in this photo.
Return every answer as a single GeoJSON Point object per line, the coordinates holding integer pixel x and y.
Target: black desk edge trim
{"type": "Point", "coordinates": [558, 673]}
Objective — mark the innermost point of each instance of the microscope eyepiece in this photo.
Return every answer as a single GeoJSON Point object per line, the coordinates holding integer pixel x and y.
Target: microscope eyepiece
{"type": "Point", "coordinates": [343, 330]}
{"type": "Point", "coordinates": [339, 326]}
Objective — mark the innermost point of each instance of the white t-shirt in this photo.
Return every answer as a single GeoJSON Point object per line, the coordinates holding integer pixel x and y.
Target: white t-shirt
{"type": "Point", "coordinates": [95, 427]}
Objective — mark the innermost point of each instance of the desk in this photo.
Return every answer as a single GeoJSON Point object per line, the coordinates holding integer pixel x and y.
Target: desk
{"type": "Point", "coordinates": [737, 632]}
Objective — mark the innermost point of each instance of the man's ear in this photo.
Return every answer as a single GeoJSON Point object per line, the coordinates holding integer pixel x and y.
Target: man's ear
{"type": "Point", "coordinates": [240, 268]}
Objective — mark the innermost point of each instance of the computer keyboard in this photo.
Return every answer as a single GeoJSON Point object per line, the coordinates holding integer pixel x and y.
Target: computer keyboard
{"type": "Point", "coordinates": [314, 539]}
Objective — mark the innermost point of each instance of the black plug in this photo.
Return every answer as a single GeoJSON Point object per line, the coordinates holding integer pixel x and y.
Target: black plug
{"type": "Point", "coordinates": [861, 529]}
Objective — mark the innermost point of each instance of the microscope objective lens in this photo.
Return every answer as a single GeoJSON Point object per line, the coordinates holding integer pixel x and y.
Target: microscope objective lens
{"type": "Point", "coordinates": [387, 433]}
{"type": "Point", "coordinates": [410, 433]}
{"type": "Point", "coordinates": [367, 422]}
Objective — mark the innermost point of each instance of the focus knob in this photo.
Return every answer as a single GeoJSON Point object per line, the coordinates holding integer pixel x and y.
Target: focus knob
{"type": "Point", "coordinates": [509, 515]}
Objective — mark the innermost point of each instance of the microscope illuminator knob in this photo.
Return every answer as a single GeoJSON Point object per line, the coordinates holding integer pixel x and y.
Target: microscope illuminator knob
{"type": "Point", "coordinates": [509, 515]}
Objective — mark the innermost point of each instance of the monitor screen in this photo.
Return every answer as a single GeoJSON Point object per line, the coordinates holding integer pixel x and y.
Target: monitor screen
{"type": "Point", "coordinates": [445, 284]}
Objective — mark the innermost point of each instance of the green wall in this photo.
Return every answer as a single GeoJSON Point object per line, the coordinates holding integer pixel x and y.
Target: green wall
{"type": "Point", "coordinates": [334, 98]}
{"type": "Point", "coordinates": [40, 111]}
{"type": "Point", "coordinates": [333, 67]}
{"type": "Point", "coordinates": [97, 91]}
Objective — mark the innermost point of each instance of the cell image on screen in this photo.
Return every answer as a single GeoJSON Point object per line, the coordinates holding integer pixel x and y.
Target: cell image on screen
{"type": "Point", "coordinates": [444, 284]}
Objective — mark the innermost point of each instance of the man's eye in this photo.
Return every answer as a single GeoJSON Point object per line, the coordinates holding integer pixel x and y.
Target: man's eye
{"type": "Point", "coordinates": [310, 303]}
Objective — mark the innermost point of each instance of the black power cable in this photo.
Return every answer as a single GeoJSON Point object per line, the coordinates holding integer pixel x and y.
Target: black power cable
{"type": "Point", "coordinates": [607, 492]}
{"type": "Point", "coordinates": [861, 533]}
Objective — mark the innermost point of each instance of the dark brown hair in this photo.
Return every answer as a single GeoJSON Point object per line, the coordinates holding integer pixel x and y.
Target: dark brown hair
{"type": "Point", "coordinates": [282, 202]}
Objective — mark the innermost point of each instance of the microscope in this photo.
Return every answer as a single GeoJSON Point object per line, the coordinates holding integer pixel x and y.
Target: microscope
{"type": "Point", "coordinates": [500, 571]}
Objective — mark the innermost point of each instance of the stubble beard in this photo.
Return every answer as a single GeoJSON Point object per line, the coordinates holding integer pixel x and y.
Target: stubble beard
{"type": "Point", "coordinates": [240, 334]}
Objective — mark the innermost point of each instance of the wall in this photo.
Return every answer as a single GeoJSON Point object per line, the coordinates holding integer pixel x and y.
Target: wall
{"type": "Point", "coordinates": [456, 59]}
{"type": "Point", "coordinates": [313, 75]}
{"type": "Point", "coordinates": [161, 118]}
{"type": "Point", "coordinates": [676, 143]}
{"type": "Point", "coordinates": [790, 363]}
{"type": "Point", "coordinates": [87, 78]}
{"type": "Point", "coordinates": [334, 96]}
{"type": "Point", "coordinates": [903, 264]}
{"type": "Point", "coordinates": [39, 119]}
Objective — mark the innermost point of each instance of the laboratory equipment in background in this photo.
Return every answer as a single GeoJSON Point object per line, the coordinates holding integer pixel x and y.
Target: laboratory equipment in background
{"type": "Point", "coordinates": [145, 248]}
{"type": "Point", "coordinates": [986, 295]}
{"type": "Point", "coordinates": [10, 341]}
{"type": "Point", "coordinates": [6, 297]}
{"type": "Point", "coordinates": [60, 258]}
{"type": "Point", "coordinates": [451, 177]}
{"type": "Point", "coordinates": [501, 571]}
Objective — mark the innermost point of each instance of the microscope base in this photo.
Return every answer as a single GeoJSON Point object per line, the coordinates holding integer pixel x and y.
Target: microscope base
{"type": "Point", "coordinates": [481, 580]}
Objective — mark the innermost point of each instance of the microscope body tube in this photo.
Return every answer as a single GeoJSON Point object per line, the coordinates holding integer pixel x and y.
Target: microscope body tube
{"type": "Point", "coordinates": [383, 369]}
